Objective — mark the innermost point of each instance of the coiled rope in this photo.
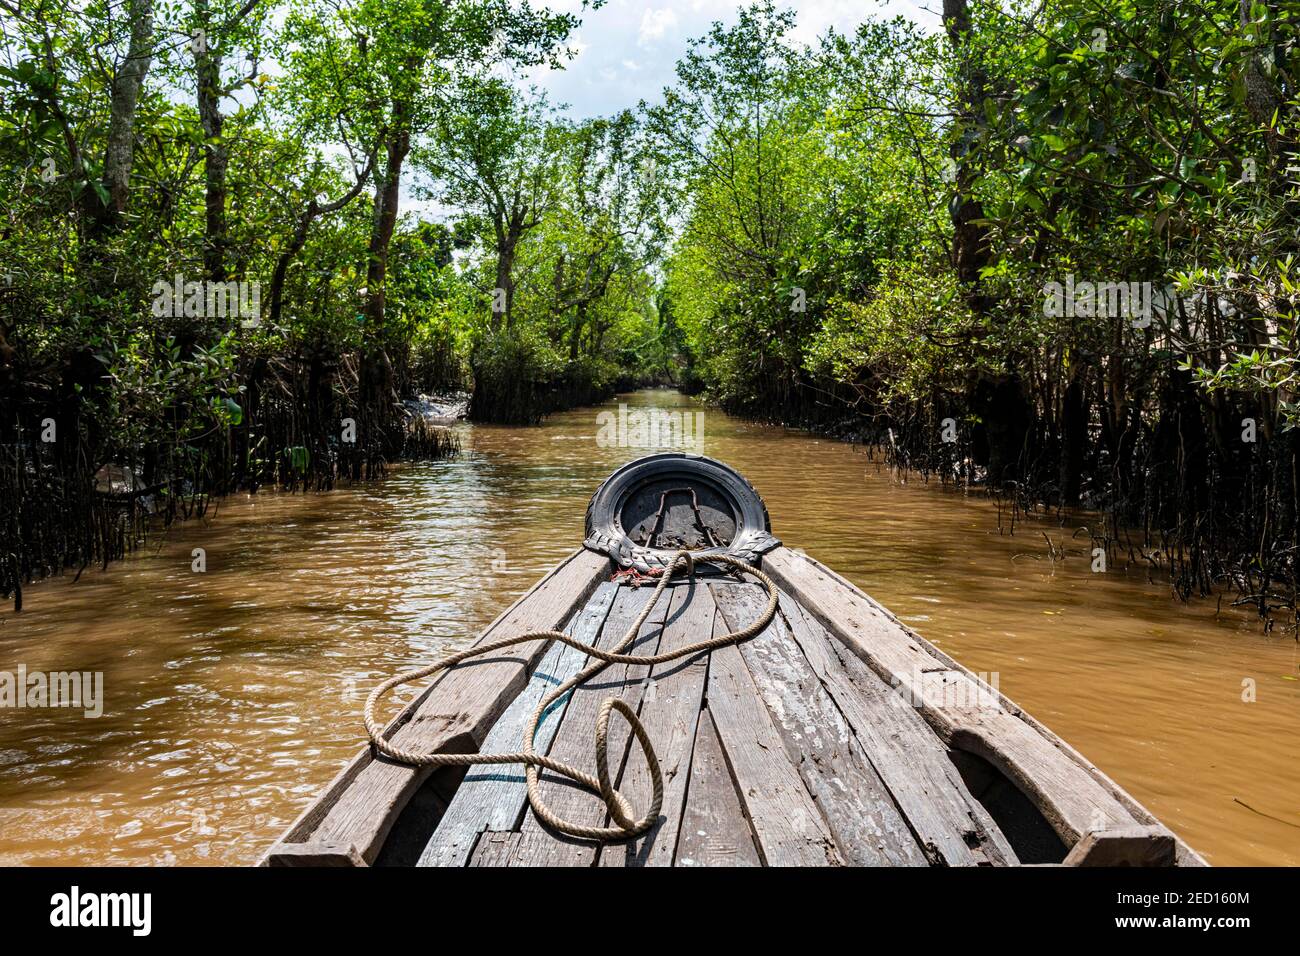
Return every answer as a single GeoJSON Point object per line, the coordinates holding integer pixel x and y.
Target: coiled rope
{"type": "Point", "coordinates": [626, 826]}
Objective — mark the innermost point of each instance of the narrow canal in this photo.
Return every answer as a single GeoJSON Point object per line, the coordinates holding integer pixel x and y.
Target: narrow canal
{"type": "Point", "coordinates": [232, 696]}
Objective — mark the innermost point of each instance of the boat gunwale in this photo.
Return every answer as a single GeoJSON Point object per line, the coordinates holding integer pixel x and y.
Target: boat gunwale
{"type": "Point", "coordinates": [1187, 856]}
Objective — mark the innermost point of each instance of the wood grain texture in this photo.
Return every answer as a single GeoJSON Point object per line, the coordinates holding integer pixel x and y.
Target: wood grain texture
{"type": "Point", "coordinates": [454, 715]}
{"type": "Point", "coordinates": [964, 712]}
{"type": "Point", "coordinates": [867, 826]}
{"type": "Point", "coordinates": [670, 712]}
{"type": "Point", "coordinates": [313, 855]}
{"type": "Point", "coordinates": [492, 797]}
{"type": "Point", "coordinates": [715, 830]}
{"type": "Point", "coordinates": [495, 849]}
{"type": "Point", "coordinates": [823, 741]}
{"type": "Point", "coordinates": [950, 824]}
{"type": "Point", "coordinates": [1132, 846]}
{"type": "Point", "coordinates": [788, 827]}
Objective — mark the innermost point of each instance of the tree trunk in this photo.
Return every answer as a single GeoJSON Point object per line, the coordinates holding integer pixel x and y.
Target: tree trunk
{"type": "Point", "coordinates": [1000, 401]}
{"type": "Point", "coordinates": [299, 238]}
{"type": "Point", "coordinates": [1074, 436]}
{"type": "Point", "coordinates": [127, 83]}
{"type": "Point", "coordinates": [575, 337]}
{"type": "Point", "coordinates": [505, 287]}
{"type": "Point", "coordinates": [387, 191]}
{"type": "Point", "coordinates": [1262, 96]}
{"type": "Point", "coordinates": [207, 75]}
{"type": "Point", "coordinates": [375, 386]}
{"type": "Point", "coordinates": [969, 243]}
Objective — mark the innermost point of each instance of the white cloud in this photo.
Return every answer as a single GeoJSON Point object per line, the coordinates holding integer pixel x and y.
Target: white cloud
{"type": "Point", "coordinates": [576, 45]}
{"type": "Point", "coordinates": [654, 24]}
{"type": "Point", "coordinates": [629, 47]}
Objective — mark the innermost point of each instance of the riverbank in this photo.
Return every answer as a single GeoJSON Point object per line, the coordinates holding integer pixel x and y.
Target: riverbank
{"type": "Point", "coordinates": [63, 511]}
{"type": "Point", "coordinates": [1098, 534]}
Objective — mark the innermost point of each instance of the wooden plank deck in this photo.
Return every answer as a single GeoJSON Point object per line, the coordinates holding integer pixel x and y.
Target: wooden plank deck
{"type": "Point", "coordinates": [492, 797]}
{"type": "Point", "coordinates": [670, 711]}
{"type": "Point", "coordinates": [714, 830]}
{"type": "Point", "coordinates": [574, 744]}
{"type": "Point", "coordinates": [818, 740]}
{"type": "Point", "coordinates": [951, 826]}
{"type": "Point", "coordinates": [777, 752]}
{"type": "Point", "coordinates": [966, 714]}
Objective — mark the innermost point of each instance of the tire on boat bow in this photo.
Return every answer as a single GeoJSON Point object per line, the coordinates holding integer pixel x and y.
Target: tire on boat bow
{"type": "Point", "coordinates": [651, 508]}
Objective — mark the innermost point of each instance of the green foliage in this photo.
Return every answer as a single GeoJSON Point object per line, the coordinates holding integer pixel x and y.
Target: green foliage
{"type": "Point", "coordinates": [560, 225]}
{"type": "Point", "coordinates": [896, 347]}
{"type": "Point", "coordinates": [927, 196]}
{"type": "Point", "coordinates": [256, 145]}
{"type": "Point", "coordinates": [859, 228]}
{"type": "Point", "coordinates": [1141, 143]}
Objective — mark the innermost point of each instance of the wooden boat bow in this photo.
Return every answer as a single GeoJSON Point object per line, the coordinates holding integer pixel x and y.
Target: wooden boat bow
{"type": "Point", "coordinates": [836, 736]}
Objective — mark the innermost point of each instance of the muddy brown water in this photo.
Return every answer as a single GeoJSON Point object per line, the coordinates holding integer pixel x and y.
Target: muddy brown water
{"type": "Point", "coordinates": [232, 696]}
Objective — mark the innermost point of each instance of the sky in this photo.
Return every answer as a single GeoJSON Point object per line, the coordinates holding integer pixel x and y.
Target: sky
{"type": "Point", "coordinates": [627, 49]}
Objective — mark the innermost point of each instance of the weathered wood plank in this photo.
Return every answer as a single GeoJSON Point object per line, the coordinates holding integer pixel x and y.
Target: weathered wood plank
{"type": "Point", "coordinates": [574, 742]}
{"type": "Point", "coordinates": [454, 714]}
{"type": "Point", "coordinates": [951, 825]}
{"type": "Point", "coordinates": [313, 855]}
{"type": "Point", "coordinates": [787, 825]}
{"type": "Point", "coordinates": [670, 712]}
{"type": "Point", "coordinates": [858, 807]}
{"type": "Point", "coordinates": [495, 849]}
{"type": "Point", "coordinates": [715, 831]}
{"type": "Point", "coordinates": [493, 797]}
{"type": "Point", "coordinates": [1132, 846]}
{"type": "Point", "coordinates": [963, 711]}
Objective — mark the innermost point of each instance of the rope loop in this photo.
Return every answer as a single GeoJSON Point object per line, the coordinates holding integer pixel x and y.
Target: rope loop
{"type": "Point", "coordinates": [622, 815]}
{"type": "Point", "coordinates": [619, 809]}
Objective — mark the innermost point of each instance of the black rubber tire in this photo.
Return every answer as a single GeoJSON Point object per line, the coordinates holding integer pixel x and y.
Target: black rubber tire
{"type": "Point", "coordinates": [605, 533]}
